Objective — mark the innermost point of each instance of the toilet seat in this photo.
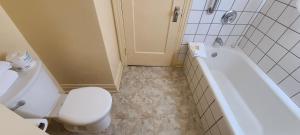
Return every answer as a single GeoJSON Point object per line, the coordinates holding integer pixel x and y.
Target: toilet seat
{"type": "Point", "coordinates": [84, 106]}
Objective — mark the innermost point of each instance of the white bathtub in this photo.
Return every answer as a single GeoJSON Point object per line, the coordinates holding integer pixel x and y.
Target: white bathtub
{"type": "Point", "coordinates": [252, 104]}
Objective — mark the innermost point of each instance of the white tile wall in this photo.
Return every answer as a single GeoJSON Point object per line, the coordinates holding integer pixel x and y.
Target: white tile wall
{"type": "Point", "coordinates": [271, 39]}
{"type": "Point", "coordinates": [211, 115]}
{"type": "Point", "coordinates": [275, 35]}
{"type": "Point", "coordinates": [202, 27]}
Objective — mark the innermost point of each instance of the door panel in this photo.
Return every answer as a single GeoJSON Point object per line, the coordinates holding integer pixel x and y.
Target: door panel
{"type": "Point", "coordinates": [150, 33]}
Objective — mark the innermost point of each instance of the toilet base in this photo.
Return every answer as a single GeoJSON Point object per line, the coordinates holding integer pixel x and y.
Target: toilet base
{"type": "Point", "coordinates": [91, 128]}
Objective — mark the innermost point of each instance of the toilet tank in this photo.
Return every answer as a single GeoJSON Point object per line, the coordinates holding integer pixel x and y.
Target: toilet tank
{"type": "Point", "coordinates": [39, 92]}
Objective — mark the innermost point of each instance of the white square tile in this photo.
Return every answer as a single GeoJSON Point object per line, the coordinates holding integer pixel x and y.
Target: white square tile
{"type": "Point", "coordinates": [224, 127]}
{"type": "Point", "coordinates": [209, 118]}
{"type": "Point", "coordinates": [288, 16]}
{"type": "Point", "coordinates": [207, 18]}
{"type": "Point", "coordinates": [207, 133]}
{"type": "Point", "coordinates": [198, 4]}
{"type": "Point", "coordinates": [249, 48]}
{"type": "Point", "coordinates": [232, 41]}
{"type": "Point", "coordinates": [226, 5]}
{"type": "Point", "coordinates": [296, 74]}
{"type": "Point", "coordinates": [199, 38]}
{"type": "Point", "coordinates": [293, 3]}
{"type": "Point", "coordinates": [203, 28]}
{"type": "Point", "coordinates": [210, 40]}
{"type": "Point", "coordinates": [266, 6]}
{"type": "Point", "coordinates": [216, 110]}
{"type": "Point", "coordinates": [199, 72]}
{"type": "Point", "coordinates": [265, 24]}
{"type": "Point", "coordinates": [277, 52]}
{"type": "Point", "coordinates": [276, 31]}
{"type": "Point", "coordinates": [188, 38]}
{"type": "Point", "coordinates": [204, 123]}
{"type": "Point", "coordinates": [194, 16]}
{"type": "Point", "coordinates": [289, 39]}
{"type": "Point", "coordinates": [289, 62]}
{"type": "Point", "coordinates": [245, 18]}
{"type": "Point", "coordinates": [209, 95]}
{"type": "Point", "coordinates": [238, 29]}
{"type": "Point", "coordinates": [199, 92]}
{"type": "Point", "coordinates": [276, 10]}
{"type": "Point", "coordinates": [239, 5]}
{"type": "Point", "coordinates": [215, 130]}
{"type": "Point", "coordinates": [277, 74]}
{"type": "Point", "coordinates": [290, 86]}
{"type": "Point", "coordinates": [253, 5]}
{"type": "Point", "coordinates": [195, 96]}
{"type": "Point", "coordinates": [257, 19]}
{"type": "Point", "coordinates": [195, 82]}
{"type": "Point", "coordinates": [296, 50]}
{"type": "Point", "coordinates": [256, 37]}
{"type": "Point", "coordinates": [204, 83]}
{"type": "Point", "coordinates": [191, 29]}
{"type": "Point", "coordinates": [226, 29]}
{"type": "Point", "coordinates": [204, 104]}
{"type": "Point", "coordinates": [266, 63]}
{"type": "Point", "coordinates": [296, 25]}
{"type": "Point", "coordinates": [180, 59]}
{"type": "Point", "coordinates": [296, 100]}
{"type": "Point", "coordinates": [183, 49]}
{"type": "Point", "coordinates": [199, 108]}
{"type": "Point", "coordinates": [285, 1]}
{"type": "Point", "coordinates": [266, 44]}
{"type": "Point", "coordinates": [214, 29]}
{"type": "Point", "coordinates": [256, 55]}
{"type": "Point", "coordinates": [245, 30]}
{"type": "Point", "coordinates": [218, 16]}
{"type": "Point", "coordinates": [249, 32]}
{"type": "Point", "coordinates": [243, 42]}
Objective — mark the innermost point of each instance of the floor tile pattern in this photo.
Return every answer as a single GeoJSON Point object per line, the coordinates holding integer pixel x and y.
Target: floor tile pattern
{"type": "Point", "coordinates": [151, 101]}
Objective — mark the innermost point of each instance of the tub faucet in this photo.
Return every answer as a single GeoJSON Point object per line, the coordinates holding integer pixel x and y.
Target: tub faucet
{"type": "Point", "coordinates": [218, 41]}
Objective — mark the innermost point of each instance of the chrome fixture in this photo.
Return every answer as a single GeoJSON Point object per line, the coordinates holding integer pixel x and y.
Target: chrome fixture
{"type": "Point", "coordinates": [18, 105]}
{"type": "Point", "coordinates": [213, 7]}
{"type": "Point", "coordinates": [214, 54]}
{"type": "Point", "coordinates": [218, 41]}
{"type": "Point", "coordinates": [176, 13]}
{"type": "Point", "coordinates": [229, 17]}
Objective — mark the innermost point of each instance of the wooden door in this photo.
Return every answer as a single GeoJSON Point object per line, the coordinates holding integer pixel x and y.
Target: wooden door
{"type": "Point", "coordinates": [151, 30]}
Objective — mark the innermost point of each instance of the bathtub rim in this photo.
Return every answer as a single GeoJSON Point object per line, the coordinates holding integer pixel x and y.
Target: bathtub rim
{"type": "Point", "coordinates": [225, 108]}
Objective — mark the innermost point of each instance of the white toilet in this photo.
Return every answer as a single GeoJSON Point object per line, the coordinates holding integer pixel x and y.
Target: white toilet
{"type": "Point", "coordinates": [83, 110]}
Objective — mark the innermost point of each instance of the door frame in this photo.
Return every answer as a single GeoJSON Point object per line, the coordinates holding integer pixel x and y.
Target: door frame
{"type": "Point", "coordinates": [119, 22]}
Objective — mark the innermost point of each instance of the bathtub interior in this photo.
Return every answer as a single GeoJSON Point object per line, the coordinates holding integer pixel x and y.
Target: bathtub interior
{"type": "Point", "coordinates": [252, 98]}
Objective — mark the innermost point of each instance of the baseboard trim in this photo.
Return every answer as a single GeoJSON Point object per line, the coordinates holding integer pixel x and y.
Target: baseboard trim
{"type": "Point", "coordinates": [119, 76]}
{"type": "Point", "coordinates": [110, 87]}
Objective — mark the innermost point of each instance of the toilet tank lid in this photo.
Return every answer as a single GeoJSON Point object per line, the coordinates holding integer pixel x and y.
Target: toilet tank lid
{"type": "Point", "coordinates": [84, 106]}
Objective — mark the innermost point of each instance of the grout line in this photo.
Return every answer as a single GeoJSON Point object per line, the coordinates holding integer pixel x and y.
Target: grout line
{"type": "Point", "coordinates": [215, 12]}
{"type": "Point", "coordinates": [269, 30]}
{"type": "Point", "coordinates": [237, 20]}
{"type": "Point", "coordinates": [199, 22]}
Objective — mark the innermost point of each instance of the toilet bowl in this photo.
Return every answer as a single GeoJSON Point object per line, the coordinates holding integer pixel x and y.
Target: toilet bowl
{"type": "Point", "coordinates": [86, 110]}
{"type": "Point", "coordinates": [82, 110]}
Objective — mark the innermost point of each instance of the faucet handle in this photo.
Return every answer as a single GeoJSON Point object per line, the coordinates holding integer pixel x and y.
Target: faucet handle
{"type": "Point", "coordinates": [18, 105]}
{"type": "Point", "coordinates": [218, 41]}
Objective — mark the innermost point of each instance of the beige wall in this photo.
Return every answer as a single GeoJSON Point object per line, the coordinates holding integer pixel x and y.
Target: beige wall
{"type": "Point", "coordinates": [67, 36]}
{"type": "Point", "coordinates": [106, 21]}
{"type": "Point", "coordinates": [10, 38]}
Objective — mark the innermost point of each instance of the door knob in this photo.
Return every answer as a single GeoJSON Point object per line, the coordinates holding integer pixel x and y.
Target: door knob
{"type": "Point", "coordinates": [176, 13]}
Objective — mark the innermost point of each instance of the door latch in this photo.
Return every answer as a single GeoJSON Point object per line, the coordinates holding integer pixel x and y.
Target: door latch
{"type": "Point", "coordinates": [176, 14]}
